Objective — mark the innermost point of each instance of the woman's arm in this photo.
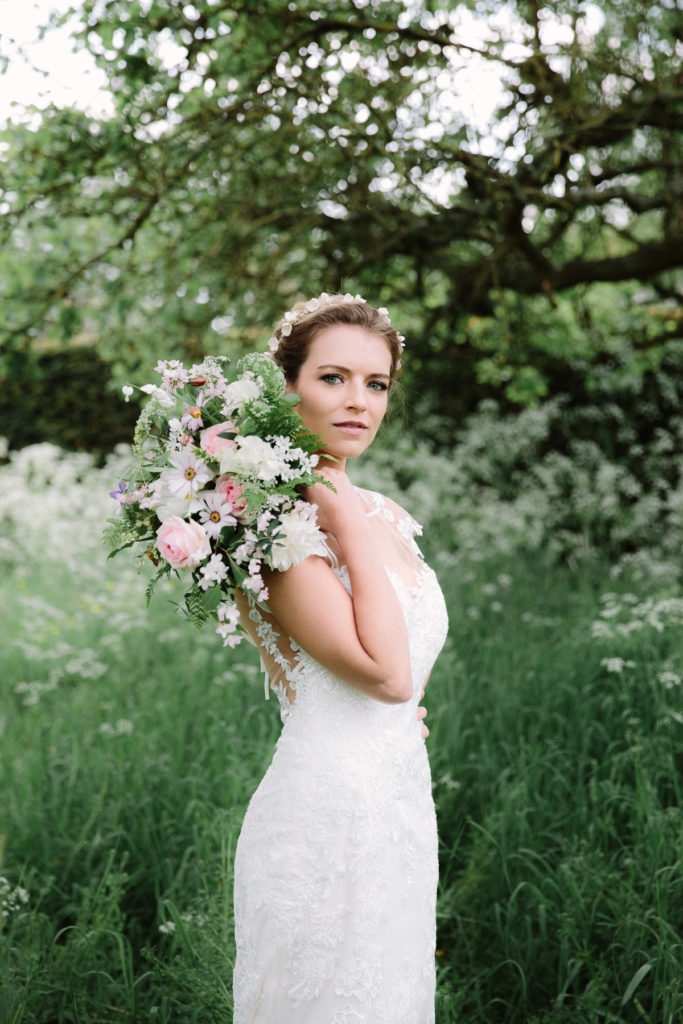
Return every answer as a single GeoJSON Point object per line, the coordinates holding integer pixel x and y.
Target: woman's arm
{"type": "Point", "coordinates": [362, 639]}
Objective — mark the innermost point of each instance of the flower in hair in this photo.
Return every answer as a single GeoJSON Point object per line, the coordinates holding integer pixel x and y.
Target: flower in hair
{"type": "Point", "coordinates": [291, 318]}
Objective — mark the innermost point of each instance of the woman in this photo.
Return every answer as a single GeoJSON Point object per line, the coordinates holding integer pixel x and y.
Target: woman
{"type": "Point", "coordinates": [336, 864]}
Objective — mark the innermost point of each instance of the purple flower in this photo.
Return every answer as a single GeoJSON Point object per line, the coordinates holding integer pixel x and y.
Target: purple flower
{"type": "Point", "coordinates": [117, 495]}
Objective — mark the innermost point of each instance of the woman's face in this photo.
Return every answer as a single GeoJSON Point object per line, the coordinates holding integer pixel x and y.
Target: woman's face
{"type": "Point", "coordinates": [344, 385]}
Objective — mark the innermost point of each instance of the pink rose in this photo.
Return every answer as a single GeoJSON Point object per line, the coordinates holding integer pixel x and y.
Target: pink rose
{"type": "Point", "coordinates": [182, 543]}
{"type": "Point", "coordinates": [211, 442]}
{"type": "Point", "coordinates": [231, 492]}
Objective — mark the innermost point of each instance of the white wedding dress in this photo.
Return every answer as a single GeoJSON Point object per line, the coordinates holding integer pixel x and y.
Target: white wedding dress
{"type": "Point", "coordinates": [336, 864]}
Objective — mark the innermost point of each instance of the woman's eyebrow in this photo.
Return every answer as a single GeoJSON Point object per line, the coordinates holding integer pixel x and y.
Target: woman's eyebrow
{"type": "Point", "coordinates": [345, 369]}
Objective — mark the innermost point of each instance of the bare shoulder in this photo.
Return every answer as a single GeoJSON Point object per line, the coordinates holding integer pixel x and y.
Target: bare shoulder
{"type": "Point", "coordinates": [308, 575]}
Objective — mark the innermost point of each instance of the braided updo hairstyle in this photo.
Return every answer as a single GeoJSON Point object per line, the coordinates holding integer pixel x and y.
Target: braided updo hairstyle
{"type": "Point", "coordinates": [296, 331]}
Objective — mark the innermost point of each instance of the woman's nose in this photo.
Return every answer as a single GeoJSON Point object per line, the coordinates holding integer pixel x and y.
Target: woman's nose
{"type": "Point", "coordinates": [355, 396]}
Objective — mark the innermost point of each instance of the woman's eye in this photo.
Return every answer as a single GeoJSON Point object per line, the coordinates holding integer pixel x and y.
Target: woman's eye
{"type": "Point", "coordinates": [331, 378]}
{"type": "Point", "coordinates": [378, 385]}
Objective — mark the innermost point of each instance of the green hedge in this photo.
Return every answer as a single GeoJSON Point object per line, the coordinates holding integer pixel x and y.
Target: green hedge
{"type": "Point", "coordinates": [63, 396]}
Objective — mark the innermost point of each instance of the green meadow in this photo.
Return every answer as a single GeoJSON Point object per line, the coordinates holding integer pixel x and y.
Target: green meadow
{"type": "Point", "coordinates": [130, 744]}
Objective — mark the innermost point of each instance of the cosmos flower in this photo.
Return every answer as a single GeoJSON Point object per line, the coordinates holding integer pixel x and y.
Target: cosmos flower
{"type": "Point", "coordinates": [189, 474]}
{"type": "Point", "coordinates": [216, 514]}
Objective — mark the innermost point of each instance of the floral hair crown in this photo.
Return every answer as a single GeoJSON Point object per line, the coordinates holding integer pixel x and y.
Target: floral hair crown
{"type": "Point", "coordinates": [293, 317]}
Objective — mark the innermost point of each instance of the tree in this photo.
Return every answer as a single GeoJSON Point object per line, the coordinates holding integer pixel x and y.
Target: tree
{"type": "Point", "coordinates": [260, 151]}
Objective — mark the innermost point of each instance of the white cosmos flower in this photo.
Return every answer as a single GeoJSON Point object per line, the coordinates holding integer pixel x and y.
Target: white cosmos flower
{"type": "Point", "coordinates": [216, 514]}
{"type": "Point", "coordinates": [190, 473]}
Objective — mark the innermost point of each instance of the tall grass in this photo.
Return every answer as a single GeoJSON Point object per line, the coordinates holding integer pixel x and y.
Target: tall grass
{"type": "Point", "coordinates": [557, 757]}
{"type": "Point", "coordinates": [130, 745]}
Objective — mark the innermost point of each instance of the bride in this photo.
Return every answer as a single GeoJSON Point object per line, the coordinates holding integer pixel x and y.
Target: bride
{"type": "Point", "coordinates": [336, 864]}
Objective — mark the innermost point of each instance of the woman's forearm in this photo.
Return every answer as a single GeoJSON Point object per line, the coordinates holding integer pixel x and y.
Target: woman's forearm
{"type": "Point", "coordinates": [378, 616]}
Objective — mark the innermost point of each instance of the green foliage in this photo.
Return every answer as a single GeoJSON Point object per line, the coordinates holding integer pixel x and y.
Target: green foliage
{"type": "Point", "coordinates": [63, 396]}
{"type": "Point", "coordinates": [561, 773]}
{"type": "Point", "coordinates": [288, 149]}
{"type": "Point", "coordinates": [131, 745]}
{"type": "Point", "coordinates": [272, 413]}
{"type": "Point", "coordinates": [598, 467]}
{"type": "Point", "coordinates": [199, 604]}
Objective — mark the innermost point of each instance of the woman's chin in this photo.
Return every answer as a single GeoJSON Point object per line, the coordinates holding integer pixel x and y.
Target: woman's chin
{"type": "Point", "coordinates": [345, 449]}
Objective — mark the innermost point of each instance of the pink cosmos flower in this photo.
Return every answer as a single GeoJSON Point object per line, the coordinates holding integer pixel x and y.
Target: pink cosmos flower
{"type": "Point", "coordinates": [192, 418]}
{"type": "Point", "coordinates": [211, 442]}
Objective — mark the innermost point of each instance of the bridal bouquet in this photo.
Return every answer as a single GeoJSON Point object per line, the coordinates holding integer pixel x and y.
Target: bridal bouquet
{"type": "Point", "coordinates": [212, 494]}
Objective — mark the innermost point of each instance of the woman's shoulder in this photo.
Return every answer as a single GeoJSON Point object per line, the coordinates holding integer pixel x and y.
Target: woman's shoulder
{"type": "Point", "coordinates": [391, 511]}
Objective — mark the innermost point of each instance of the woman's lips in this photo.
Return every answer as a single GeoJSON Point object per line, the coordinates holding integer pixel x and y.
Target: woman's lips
{"type": "Point", "coordinates": [351, 427]}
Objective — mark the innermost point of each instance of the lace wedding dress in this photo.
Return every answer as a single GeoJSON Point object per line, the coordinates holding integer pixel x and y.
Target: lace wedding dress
{"type": "Point", "coordinates": [336, 864]}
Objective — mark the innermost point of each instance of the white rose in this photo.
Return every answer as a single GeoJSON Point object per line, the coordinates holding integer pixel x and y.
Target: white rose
{"type": "Point", "coordinates": [167, 504]}
{"type": "Point", "coordinates": [251, 456]}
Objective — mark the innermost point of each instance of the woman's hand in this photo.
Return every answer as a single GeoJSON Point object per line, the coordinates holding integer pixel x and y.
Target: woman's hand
{"type": "Point", "coordinates": [421, 715]}
{"type": "Point", "coordinates": [337, 508]}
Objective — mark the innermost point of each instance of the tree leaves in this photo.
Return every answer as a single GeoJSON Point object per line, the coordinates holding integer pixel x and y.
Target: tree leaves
{"type": "Point", "coordinates": [261, 152]}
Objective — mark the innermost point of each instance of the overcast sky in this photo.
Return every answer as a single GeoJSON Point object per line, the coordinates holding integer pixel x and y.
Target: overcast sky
{"type": "Point", "coordinates": [68, 78]}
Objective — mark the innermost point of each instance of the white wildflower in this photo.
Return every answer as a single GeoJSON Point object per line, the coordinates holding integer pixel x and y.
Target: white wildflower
{"type": "Point", "coordinates": [601, 631]}
{"type": "Point", "coordinates": [255, 584]}
{"type": "Point", "coordinates": [122, 727]}
{"type": "Point", "coordinates": [12, 898]}
{"type": "Point", "coordinates": [228, 621]}
{"type": "Point", "coordinates": [616, 664]}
